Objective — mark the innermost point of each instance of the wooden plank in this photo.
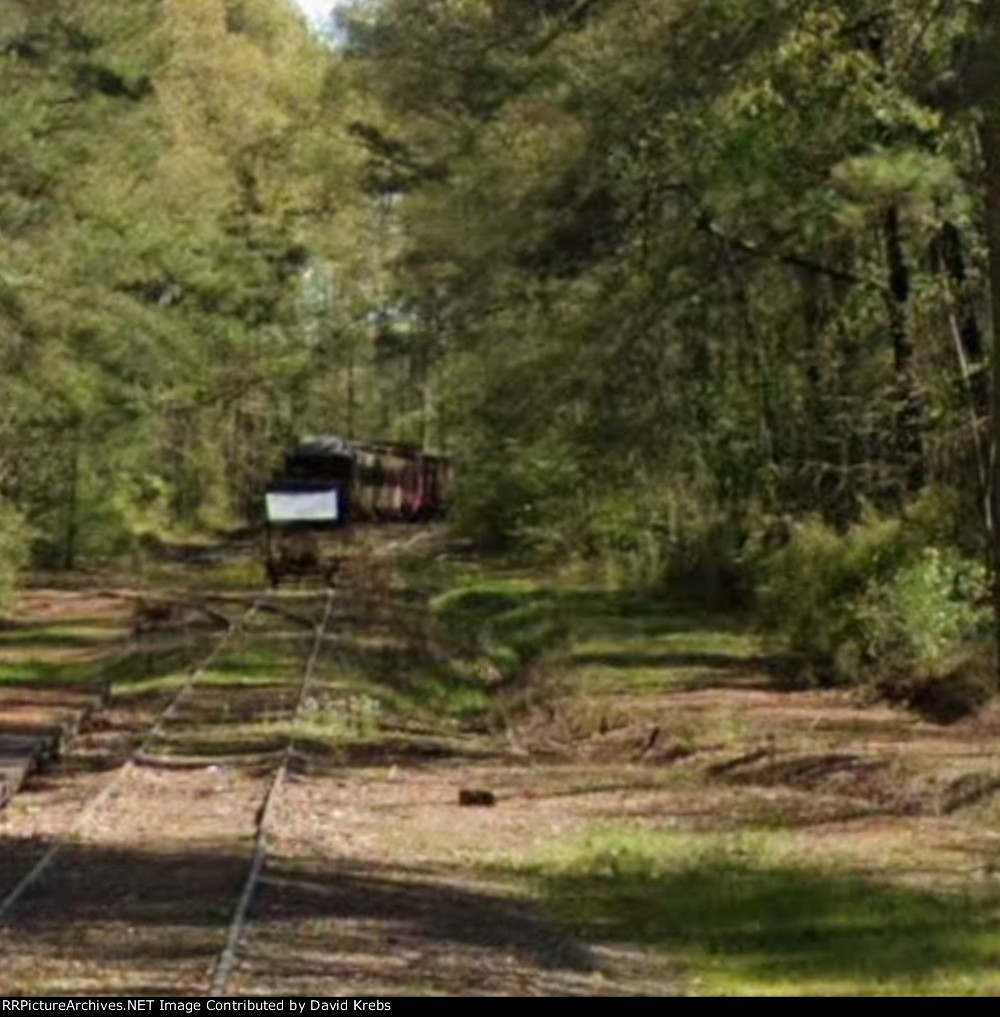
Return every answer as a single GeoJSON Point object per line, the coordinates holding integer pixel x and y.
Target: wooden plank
{"type": "Point", "coordinates": [32, 734]}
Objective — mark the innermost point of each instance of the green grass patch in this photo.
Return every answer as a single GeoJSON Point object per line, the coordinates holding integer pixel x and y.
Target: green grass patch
{"type": "Point", "coordinates": [144, 686]}
{"type": "Point", "coordinates": [524, 619]}
{"type": "Point", "coordinates": [404, 682]}
{"type": "Point", "coordinates": [256, 665]}
{"type": "Point", "coordinates": [139, 676]}
{"type": "Point", "coordinates": [467, 612]}
{"type": "Point", "coordinates": [57, 637]}
{"type": "Point", "coordinates": [693, 640]}
{"type": "Point", "coordinates": [736, 916]}
{"type": "Point", "coordinates": [505, 625]}
{"type": "Point", "coordinates": [48, 672]}
{"type": "Point", "coordinates": [239, 678]}
{"type": "Point", "coordinates": [598, 641]}
{"type": "Point", "coordinates": [232, 572]}
{"type": "Point", "coordinates": [434, 694]}
{"type": "Point", "coordinates": [635, 680]}
{"type": "Point", "coordinates": [690, 658]}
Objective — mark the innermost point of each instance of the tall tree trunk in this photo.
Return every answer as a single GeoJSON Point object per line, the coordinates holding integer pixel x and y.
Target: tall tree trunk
{"type": "Point", "coordinates": [989, 140]}
{"type": "Point", "coordinates": [950, 250]}
{"type": "Point", "coordinates": [948, 255]}
{"type": "Point", "coordinates": [989, 134]}
{"type": "Point", "coordinates": [351, 393]}
{"type": "Point", "coordinates": [910, 414]}
{"type": "Point", "coordinates": [72, 501]}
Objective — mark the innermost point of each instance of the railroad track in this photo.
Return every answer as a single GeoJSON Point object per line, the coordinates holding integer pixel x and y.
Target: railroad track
{"type": "Point", "coordinates": [92, 804]}
{"type": "Point", "coordinates": [68, 876]}
{"type": "Point", "coordinates": [228, 957]}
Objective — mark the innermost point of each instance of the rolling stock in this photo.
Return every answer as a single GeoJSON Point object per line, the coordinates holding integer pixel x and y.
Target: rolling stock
{"type": "Point", "coordinates": [328, 485]}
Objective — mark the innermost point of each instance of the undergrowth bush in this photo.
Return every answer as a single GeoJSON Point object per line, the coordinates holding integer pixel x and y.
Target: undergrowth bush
{"type": "Point", "coordinates": [875, 603]}
{"type": "Point", "coordinates": [661, 541]}
{"type": "Point", "coordinates": [507, 500]}
{"type": "Point", "coordinates": [919, 616]}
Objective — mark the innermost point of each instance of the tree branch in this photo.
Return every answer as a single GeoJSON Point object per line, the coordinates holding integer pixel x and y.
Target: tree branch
{"type": "Point", "coordinates": [576, 15]}
{"type": "Point", "coordinates": [705, 222]}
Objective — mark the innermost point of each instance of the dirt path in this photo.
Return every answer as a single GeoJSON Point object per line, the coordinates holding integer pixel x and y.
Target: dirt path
{"type": "Point", "coordinates": [663, 819]}
{"type": "Point", "coordinates": [376, 881]}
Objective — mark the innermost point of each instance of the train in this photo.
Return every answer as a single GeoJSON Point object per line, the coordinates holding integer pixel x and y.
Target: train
{"type": "Point", "coordinates": [328, 484]}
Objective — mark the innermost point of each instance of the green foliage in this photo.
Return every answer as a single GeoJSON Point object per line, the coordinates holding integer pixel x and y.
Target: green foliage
{"type": "Point", "coordinates": [665, 301]}
{"type": "Point", "coordinates": [169, 168]}
{"type": "Point", "coordinates": [652, 273]}
{"type": "Point", "coordinates": [659, 540]}
{"type": "Point", "coordinates": [507, 495]}
{"type": "Point", "coordinates": [811, 584]}
{"type": "Point", "coordinates": [917, 617]}
{"type": "Point", "coordinates": [630, 538]}
{"type": "Point", "coordinates": [874, 602]}
{"type": "Point", "coordinates": [15, 548]}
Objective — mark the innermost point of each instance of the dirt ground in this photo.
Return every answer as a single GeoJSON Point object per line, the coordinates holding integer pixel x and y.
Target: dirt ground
{"type": "Point", "coordinates": [377, 881]}
{"type": "Point", "coordinates": [140, 893]}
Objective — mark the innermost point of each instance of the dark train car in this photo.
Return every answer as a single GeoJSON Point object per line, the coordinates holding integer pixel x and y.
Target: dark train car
{"type": "Point", "coordinates": [328, 459]}
{"type": "Point", "coordinates": [387, 483]}
{"type": "Point", "coordinates": [308, 511]}
{"type": "Point", "coordinates": [401, 483]}
{"type": "Point", "coordinates": [437, 487]}
{"type": "Point", "coordinates": [328, 483]}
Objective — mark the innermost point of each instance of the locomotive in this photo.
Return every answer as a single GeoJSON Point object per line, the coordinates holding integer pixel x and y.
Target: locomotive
{"type": "Point", "coordinates": [328, 484]}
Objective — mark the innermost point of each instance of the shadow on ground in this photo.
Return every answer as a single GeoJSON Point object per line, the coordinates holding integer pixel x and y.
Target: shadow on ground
{"type": "Point", "coordinates": [115, 921]}
{"type": "Point", "coordinates": [757, 927]}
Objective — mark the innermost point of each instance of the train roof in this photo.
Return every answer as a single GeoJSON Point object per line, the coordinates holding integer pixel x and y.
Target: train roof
{"type": "Point", "coordinates": [323, 445]}
{"type": "Point", "coordinates": [329, 446]}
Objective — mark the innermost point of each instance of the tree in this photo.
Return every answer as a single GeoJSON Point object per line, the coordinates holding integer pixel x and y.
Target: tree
{"type": "Point", "coordinates": [153, 238]}
{"type": "Point", "coordinates": [651, 276]}
{"type": "Point", "coordinates": [984, 85]}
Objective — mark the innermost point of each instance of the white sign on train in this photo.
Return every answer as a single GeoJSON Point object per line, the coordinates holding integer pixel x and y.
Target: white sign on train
{"type": "Point", "coordinates": [303, 507]}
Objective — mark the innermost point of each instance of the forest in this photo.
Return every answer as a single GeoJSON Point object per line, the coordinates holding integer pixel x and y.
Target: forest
{"type": "Point", "coordinates": [699, 295]}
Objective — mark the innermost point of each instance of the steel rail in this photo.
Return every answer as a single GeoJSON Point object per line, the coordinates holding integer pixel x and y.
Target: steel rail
{"type": "Point", "coordinates": [227, 960]}
{"type": "Point", "coordinates": [87, 812]}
